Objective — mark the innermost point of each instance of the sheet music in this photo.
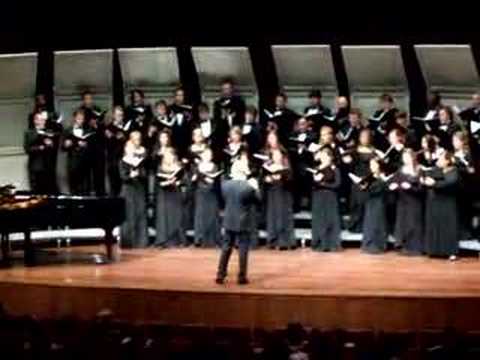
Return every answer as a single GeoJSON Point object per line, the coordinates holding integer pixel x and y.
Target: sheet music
{"type": "Point", "coordinates": [314, 147]}
{"type": "Point", "coordinates": [78, 132]}
{"type": "Point", "coordinates": [246, 129]}
{"type": "Point", "coordinates": [134, 161]}
{"type": "Point", "coordinates": [356, 179]}
{"type": "Point", "coordinates": [268, 113]}
{"type": "Point", "coordinates": [206, 128]}
{"type": "Point", "coordinates": [126, 127]}
{"type": "Point", "coordinates": [261, 157]}
{"type": "Point", "coordinates": [312, 111]}
{"type": "Point", "coordinates": [474, 126]}
{"type": "Point", "coordinates": [302, 137]}
{"type": "Point", "coordinates": [430, 115]}
{"type": "Point", "coordinates": [165, 120]}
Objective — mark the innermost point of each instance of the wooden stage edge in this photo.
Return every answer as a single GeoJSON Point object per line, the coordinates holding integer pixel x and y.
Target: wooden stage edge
{"type": "Point", "coordinates": [347, 290]}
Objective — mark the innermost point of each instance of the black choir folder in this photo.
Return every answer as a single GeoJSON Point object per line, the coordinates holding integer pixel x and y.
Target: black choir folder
{"type": "Point", "coordinates": [170, 176]}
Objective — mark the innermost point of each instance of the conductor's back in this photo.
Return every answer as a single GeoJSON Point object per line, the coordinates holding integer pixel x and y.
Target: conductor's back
{"type": "Point", "coordinates": [239, 197]}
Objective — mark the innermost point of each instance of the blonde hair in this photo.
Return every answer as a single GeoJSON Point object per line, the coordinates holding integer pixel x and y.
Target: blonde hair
{"type": "Point", "coordinates": [130, 146]}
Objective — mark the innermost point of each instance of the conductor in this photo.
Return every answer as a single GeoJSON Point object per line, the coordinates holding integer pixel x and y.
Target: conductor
{"type": "Point", "coordinates": [240, 194]}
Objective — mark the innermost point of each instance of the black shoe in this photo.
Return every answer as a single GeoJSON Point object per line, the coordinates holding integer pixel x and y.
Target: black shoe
{"type": "Point", "coordinates": [242, 281]}
{"type": "Point", "coordinates": [220, 281]}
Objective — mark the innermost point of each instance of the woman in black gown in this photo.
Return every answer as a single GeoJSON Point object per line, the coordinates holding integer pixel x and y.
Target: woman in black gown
{"type": "Point", "coordinates": [190, 162]}
{"type": "Point", "coordinates": [375, 227]}
{"type": "Point", "coordinates": [408, 231]}
{"type": "Point", "coordinates": [358, 163]}
{"type": "Point", "coordinates": [115, 136]}
{"type": "Point", "coordinates": [325, 211]}
{"type": "Point", "coordinates": [234, 147]}
{"type": "Point", "coordinates": [164, 141]}
{"type": "Point", "coordinates": [169, 214]}
{"type": "Point", "coordinates": [429, 153]}
{"type": "Point", "coordinates": [206, 219]}
{"type": "Point", "coordinates": [279, 206]}
{"type": "Point", "coordinates": [133, 174]}
{"type": "Point", "coordinates": [464, 164]}
{"type": "Point", "coordinates": [441, 217]}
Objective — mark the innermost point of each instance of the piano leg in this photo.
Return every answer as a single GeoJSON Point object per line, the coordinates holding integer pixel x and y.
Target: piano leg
{"type": "Point", "coordinates": [28, 249]}
{"type": "Point", "coordinates": [110, 242]}
{"type": "Point", "coordinates": [5, 251]}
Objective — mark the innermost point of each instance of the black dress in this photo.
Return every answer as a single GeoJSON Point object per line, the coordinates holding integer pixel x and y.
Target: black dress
{"type": "Point", "coordinates": [441, 217]}
{"type": "Point", "coordinates": [360, 167]}
{"type": "Point", "coordinates": [169, 211]}
{"type": "Point", "coordinates": [206, 220]}
{"type": "Point", "coordinates": [466, 193]}
{"type": "Point", "coordinates": [115, 143]}
{"type": "Point", "coordinates": [408, 230]}
{"type": "Point", "coordinates": [279, 211]}
{"type": "Point", "coordinates": [78, 156]}
{"type": "Point", "coordinates": [325, 211]}
{"type": "Point", "coordinates": [301, 158]}
{"type": "Point", "coordinates": [189, 201]}
{"type": "Point", "coordinates": [375, 233]}
{"type": "Point", "coordinates": [134, 232]}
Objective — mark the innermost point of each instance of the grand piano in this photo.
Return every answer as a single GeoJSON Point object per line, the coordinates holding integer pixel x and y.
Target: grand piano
{"type": "Point", "coordinates": [21, 212]}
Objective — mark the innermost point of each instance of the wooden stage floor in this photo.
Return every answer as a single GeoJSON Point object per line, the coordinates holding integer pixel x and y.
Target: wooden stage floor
{"type": "Point", "coordinates": [347, 289]}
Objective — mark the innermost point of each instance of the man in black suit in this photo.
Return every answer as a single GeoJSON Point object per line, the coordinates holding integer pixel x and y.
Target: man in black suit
{"type": "Point", "coordinates": [239, 194]}
{"type": "Point", "coordinates": [182, 124]}
{"type": "Point", "coordinates": [41, 146]}
{"type": "Point", "coordinates": [282, 118]}
{"type": "Point", "coordinates": [228, 110]}
{"type": "Point", "coordinates": [94, 119]}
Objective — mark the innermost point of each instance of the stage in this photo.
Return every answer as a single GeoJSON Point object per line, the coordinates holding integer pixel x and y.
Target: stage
{"type": "Point", "coordinates": [348, 289]}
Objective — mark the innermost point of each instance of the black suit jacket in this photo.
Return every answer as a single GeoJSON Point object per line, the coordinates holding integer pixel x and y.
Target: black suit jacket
{"type": "Point", "coordinates": [239, 198]}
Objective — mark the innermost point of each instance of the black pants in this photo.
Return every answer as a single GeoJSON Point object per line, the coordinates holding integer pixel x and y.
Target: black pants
{"type": "Point", "coordinates": [114, 179]}
{"type": "Point", "coordinates": [78, 178]}
{"type": "Point", "coordinates": [97, 172]}
{"type": "Point", "coordinates": [242, 239]}
{"type": "Point", "coordinates": [42, 181]}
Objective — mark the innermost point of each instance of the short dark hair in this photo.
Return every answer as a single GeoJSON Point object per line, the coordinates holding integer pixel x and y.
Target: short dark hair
{"type": "Point", "coordinates": [435, 98]}
{"type": "Point", "coordinates": [356, 111]}
{"type": "Point", "coordinates": [252, 110]}
{"type": "Point", "coordinates": [78, 112]}
{"type": "Point", "coordinates": [227, 80]}
{"type": "Point", "coordinates": [137, 91]}
{"type": "Point", "coordinates": [161, 102]}
{"type": "Point", "coordinates": [203, 106]}
{"type": "Point", "coordinates": [85, 93]}
{"type": "Point", "coordinates": [449, 111]}
{"type": "Point", "coordinates": [282, 95]}
{"type": "Point", "coordinates": [315, 93]}
{"type": "Point", "coordinates": [386, 97]}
